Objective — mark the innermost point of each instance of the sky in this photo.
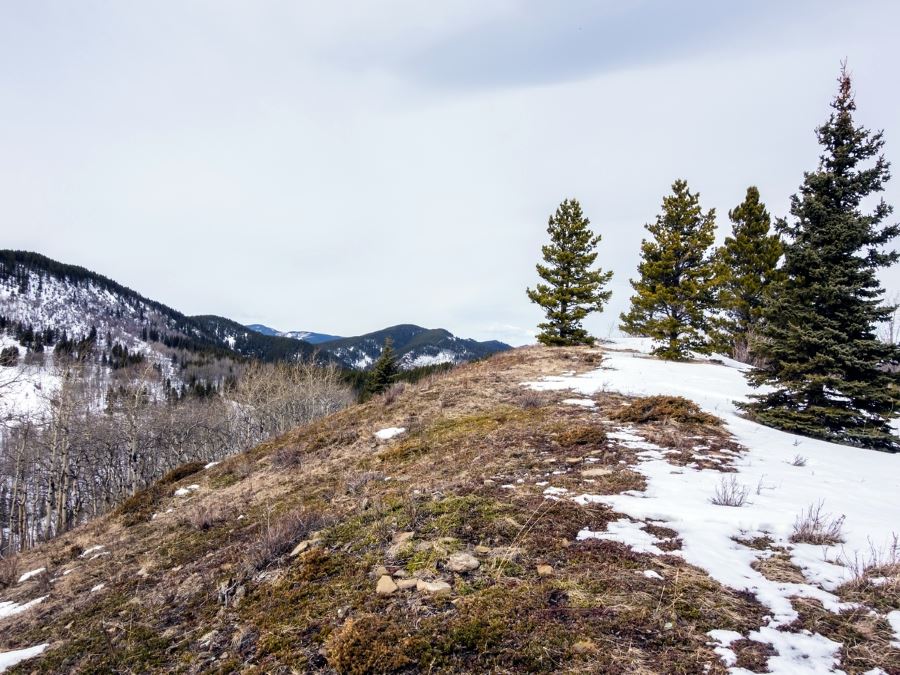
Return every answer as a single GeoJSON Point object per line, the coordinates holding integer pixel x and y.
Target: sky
{"type": "Point", "coordinates": [344, 166]}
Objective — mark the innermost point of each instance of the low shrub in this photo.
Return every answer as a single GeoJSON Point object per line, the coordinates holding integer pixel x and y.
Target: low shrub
{"type": "Point", "coordinates": [664, 409]}
{"type": "Point", "coordinates": [278, 535]}
{"type": "Point", "coordinates": [815, 527]}
{"type": "Point", "coordinates": [730, 493]}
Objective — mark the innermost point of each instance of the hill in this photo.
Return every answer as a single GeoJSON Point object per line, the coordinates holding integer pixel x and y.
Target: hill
{"type": "Point", "coordinates": [305, 335]}
{"type": "Point", "coordinates": [45, 294]}
{"type": "Point", "coordinates": [469, 523]}
{"type": "Point", "coordinates": [415, 347]}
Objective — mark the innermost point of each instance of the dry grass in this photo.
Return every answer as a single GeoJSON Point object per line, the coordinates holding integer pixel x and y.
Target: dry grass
{"type": "Point", "coordinates": [813, 526]}
{"type": "Point", "coordinates": [9, 570]}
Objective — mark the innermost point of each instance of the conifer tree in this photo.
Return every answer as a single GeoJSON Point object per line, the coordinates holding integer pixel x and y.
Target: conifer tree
{"type": "Point", "coordinates": [384, 371]}
{"type": "Point", "coordinates": [573, 290]}
{"type": "Point", "coordinates": [677, 271]}
{"type": "Point", "coordinates": [829, 372]}
{"type": "Point", "coordinates": [747, 268]}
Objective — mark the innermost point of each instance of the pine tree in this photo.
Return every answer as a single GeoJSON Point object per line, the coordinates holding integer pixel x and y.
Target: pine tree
{"type": "Point", "coordinates": [747, 268]}
{"type": "Point", "coordinates": [676, 287]}
{"type": "Point", "coordinates": [384, 371]}
{"type": "Point", "coordinates": [829, 372]}
{"type": "Point", "coordinates": [573, 290]}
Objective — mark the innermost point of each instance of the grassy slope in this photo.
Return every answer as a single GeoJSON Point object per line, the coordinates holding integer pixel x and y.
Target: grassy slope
{"type": "Point", "coordinates": [198, 588]}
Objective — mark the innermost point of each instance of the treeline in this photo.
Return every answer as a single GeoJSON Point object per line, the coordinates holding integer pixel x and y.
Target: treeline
{"type": "Point", "coordinates": [99, 443]}
{"type": "Point", "coordinates": [798, 298]}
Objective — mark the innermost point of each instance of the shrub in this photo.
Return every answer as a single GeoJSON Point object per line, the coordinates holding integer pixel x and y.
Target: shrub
{"type": "Point", "coordinates": [182, 471]}
{"type": "Point", "coordinates": [277, 536]}
{"type": "Point", "coordinates": [730, 493]}
{"type": "Point", "coordinates": [814, 527]}
{"type": "Point", "coordinates": [288, 457]}
{"type": "Point", "coordinates": [9, 570]}
{"type": "Point", "coordinates": [392, 393]}
{"type": "Point", "coordinates": [584, 435]}
{"type": "Point", "coordinates": [664, 409]}
{"type": "Point", "coordinates": [530, 399]}
{"type": "Point", "coordinates": [204, 516]}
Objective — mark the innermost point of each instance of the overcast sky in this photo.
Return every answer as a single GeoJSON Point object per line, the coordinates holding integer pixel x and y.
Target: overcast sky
{"type": "Point", "coordinates": [345, 166]}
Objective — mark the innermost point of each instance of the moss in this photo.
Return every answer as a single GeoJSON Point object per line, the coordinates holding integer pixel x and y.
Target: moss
{"type": "Point", "coordinates": [368, 644]}
{"type": "Point", "coordinates": [664, 409]}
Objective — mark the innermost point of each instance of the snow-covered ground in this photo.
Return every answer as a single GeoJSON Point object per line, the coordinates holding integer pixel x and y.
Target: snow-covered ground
{"type": "Point", "coordinates": [784, 475]}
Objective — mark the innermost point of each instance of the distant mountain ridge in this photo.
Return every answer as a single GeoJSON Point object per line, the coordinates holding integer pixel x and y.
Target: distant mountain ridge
{"type": "Point", "coordinates": [42, 293]}
{"type": "Point", "coordinates": [307, 336]}
{"type": "Point", "coordinates": [414, 345]}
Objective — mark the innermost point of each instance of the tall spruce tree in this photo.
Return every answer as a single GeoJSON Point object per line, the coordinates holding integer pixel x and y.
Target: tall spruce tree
{"type": "Point", "coordinates": [676, 288]}
{"type": "Point", "coordinates": [573, 290]}
{"type": "Point", "coordinates": [384, 371]}
{"type": "Point", "coordinates": [827, 369]}
{"type": "Point", "coordinates": [747, 267]}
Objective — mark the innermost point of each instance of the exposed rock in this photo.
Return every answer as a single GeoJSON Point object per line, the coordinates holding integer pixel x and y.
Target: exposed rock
{"type": "Point", "coordinates": [544, 571]}
{"type": "Point", "coordinates": [596, 473]}
{"type": "Point", "coordinates": [573, 460]}
{"type": "Point", "coordinates": [400, 542]}
{"type": "Point", "coordinates": [379, 571]}
{"type": "Point", "coordinates": [489, 483]}
{"type": "Point", "coordinates": [482, 550]}
{"type": "Point", "coordinates": [407, 584]}
{"type": "Point", "coordinates": [462, 562]}
{"type": "Point", "coordinates": [385, 585]}
{"type": "Point", "coordinates": [304, 546]}
{"type": "Point", "coordinates": [435, 588]}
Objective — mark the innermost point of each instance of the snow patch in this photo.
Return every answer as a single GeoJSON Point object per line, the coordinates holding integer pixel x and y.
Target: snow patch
{"type": "Point", "coordinates": [32, 573]}
{"type": "Point", "coordinates": [389, 433]}
{"type": "Point", "coordinates": [9, 659]}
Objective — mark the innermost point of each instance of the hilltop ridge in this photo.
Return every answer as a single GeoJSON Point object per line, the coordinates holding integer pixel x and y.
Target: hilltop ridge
{"type": "Point", "coordinates": [464, 523]}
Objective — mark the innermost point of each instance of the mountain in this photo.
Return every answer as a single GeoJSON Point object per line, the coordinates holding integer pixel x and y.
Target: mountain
{"type": "Point", "coordinates": [415, 347]}
{"type": "Point", "coordinates": [41, 294]}
{"type": "Point", "coordinates": [43, 301]}
{"type": "Point", "coordinates": [470, 524]}
{"type": "Point", "coordinates": [307, 336]}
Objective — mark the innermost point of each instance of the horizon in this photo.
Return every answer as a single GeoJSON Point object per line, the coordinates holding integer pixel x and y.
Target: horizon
{"type": "Point", "coordinates": [337, 168]}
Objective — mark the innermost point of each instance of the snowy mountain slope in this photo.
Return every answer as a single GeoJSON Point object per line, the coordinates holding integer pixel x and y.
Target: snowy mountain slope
{"type": "Point", "coordinates": [415, 346]}
{"type": "Point", "coordinates": [44, 293]}
{"type": "Point", "coordinates": [784, 475]}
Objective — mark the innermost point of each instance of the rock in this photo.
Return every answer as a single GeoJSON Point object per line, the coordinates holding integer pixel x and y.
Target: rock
{"type": "Point", "coordinates": [489, 483]}
{"type": "Point", "coordinates": [303, 546]}
{"type": "Point", "coordinates": [573, 460]}
{"type": "Point", "coordinates": [400, 542]}
{"type": "Point", "coordinates": [596, 473]}
{"type": "Point", "coordinates": [544, 571]}
{"type": "Point", "coordinates": [403, 537]}
{"type": "Point", "coordinates": [462, 562]}
{"type": "Point", "coordinates": [385, 585]}
{"type": "Point", "coordinates": [584, 647]}
{"type": "Point", "coordinates": [379, 571]}
{"type": "Point", "coordinates": [482, 550]}
{"type": "Point", "coordinates": [407, 584]}
{"type": "Point", "coordinates": [435, 588]}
